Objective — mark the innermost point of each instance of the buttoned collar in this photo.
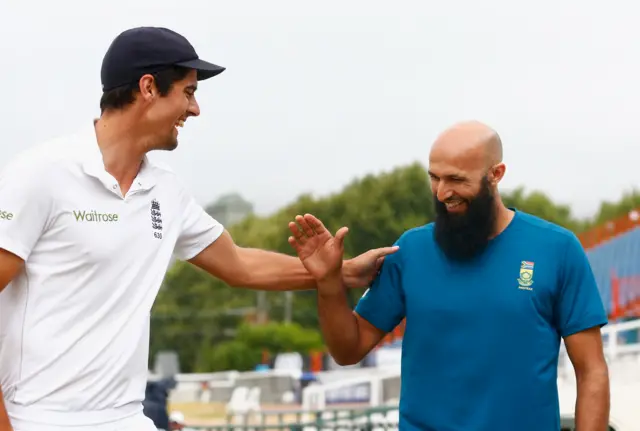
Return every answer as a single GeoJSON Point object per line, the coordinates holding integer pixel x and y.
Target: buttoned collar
{"type": "Point", "coordinates": [93, 165]}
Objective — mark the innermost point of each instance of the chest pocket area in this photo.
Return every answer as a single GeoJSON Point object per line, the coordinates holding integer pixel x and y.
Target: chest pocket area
{"type": "Point", "coordinates": [530, 290]}
{"type": "Point", "coordinates": [94, 235]}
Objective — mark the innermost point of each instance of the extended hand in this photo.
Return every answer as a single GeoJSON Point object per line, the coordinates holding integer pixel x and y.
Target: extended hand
{"type": "Point", "coordinates": [362, 270]}
{"type": "Point", "coordinates": [320, 253]}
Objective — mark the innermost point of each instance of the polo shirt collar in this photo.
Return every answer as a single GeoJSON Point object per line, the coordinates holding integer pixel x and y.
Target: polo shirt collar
{"type": "Point", "coordinates": [93, 165]}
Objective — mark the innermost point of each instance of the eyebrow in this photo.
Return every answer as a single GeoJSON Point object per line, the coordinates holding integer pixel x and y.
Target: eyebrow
{"type": "Point", "coordinates": [455, 176]}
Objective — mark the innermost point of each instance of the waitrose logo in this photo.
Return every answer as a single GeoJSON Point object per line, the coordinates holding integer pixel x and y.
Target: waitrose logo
{"type": "Point", "coordinates": [95, 217]}
{"type": "Point", "coordinates": [5, 215]}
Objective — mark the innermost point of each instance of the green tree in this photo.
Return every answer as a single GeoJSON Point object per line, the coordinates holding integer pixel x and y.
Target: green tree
{"type": "Point", "coordinates": [613, 210]}
{"type": "Point", "coordinates": [539, 204]}
{"type": "Point", "coordinates": [245, 351]}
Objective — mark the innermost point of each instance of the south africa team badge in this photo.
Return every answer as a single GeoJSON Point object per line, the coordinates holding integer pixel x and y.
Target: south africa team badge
{"type": "Point", "coordinates": [526, 275]}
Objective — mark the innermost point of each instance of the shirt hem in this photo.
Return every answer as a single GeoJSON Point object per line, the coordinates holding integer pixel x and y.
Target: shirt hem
{"type": "Point", "coordinates": [28, 416]}
{"type": "Point", "coordinates": [600, 322]}
{"type": "Point", "coordinates": [197, 249]}
{"type": "Point", "coordinates": [13, 247]}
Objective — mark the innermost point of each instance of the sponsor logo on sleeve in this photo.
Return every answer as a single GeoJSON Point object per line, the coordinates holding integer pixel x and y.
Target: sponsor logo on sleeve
{"type": "Point", "coordinates": [6, 215]}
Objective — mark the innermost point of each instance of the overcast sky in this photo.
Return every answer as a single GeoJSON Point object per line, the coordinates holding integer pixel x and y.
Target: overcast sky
{"type": "Point", "coordinates": [317, 93]}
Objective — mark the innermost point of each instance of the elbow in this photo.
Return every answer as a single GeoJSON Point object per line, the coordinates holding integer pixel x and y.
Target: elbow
{"type": "Point", "coordinates": [346, 362]}
{"type": "Point", "coordinates": [241, 279]}
{"type": "Point", "coordinates": [596, 375]}
{"type": "Point", "coordinates": [350, 358]}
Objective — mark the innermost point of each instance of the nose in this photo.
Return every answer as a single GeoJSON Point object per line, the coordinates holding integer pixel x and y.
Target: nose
{"type": "Point", "coordinates": [194, 108]}
{"type": "Point", "coordinates": [443, 192]}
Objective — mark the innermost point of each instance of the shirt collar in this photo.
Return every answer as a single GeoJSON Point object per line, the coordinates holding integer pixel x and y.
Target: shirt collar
{"type": "Point", "coordinates": [93, 165]}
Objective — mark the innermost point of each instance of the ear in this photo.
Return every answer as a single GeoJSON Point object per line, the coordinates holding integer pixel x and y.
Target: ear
{"type": "Point", "coordinates": [497, 173]}
{"type": "Point", "coordinates": [147, 87]}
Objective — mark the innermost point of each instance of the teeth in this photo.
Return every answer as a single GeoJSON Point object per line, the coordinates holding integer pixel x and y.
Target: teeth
{"type": "Point", "coordinates": [453, 204]}
{"type": "Point", "coordinates": [180, 123]}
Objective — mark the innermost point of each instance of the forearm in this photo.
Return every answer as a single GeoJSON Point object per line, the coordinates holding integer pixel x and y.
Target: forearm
{"type": "Point", "coordinates": [269, 270]}
{"type": "Point", "coordinates": [593, 401]}
{"type": "Point", "coordinates": [338, 324]}
{"type": "Point", "coordinates": [5, 425]}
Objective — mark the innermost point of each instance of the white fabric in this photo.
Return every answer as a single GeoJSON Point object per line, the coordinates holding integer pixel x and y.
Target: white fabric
{"type": "Point", "coordinates": [74, 326]}
{"type": "Point", "coordinates": [138, 422]}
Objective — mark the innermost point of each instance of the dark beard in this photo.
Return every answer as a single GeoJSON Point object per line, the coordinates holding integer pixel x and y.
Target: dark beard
{"type": "Point", "coordinates": [463, 236]}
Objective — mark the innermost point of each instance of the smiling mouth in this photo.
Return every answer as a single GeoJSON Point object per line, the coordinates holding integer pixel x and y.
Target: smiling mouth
{"type": "Point", "coordinates": [453, 204]}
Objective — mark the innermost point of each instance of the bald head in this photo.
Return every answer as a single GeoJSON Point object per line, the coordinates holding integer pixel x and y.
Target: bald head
{"type": "Point", "coordinates": [471, 141]}
{"type": "Point", "coordinates": [462, 158]}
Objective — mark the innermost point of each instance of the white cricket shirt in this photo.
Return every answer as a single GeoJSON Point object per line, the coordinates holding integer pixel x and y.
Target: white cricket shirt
{"type": "Point", "coordinates": [74, 326]}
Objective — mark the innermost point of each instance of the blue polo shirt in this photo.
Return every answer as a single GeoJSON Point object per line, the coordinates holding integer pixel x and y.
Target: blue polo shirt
{"type": "Point", "coordinates": [480, 350]}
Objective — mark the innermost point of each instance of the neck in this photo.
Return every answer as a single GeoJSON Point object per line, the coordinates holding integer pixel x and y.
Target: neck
{"type": "Point", "coordinates": [503, 217]}
{"type": "Point", "coordinates": [123, 149]}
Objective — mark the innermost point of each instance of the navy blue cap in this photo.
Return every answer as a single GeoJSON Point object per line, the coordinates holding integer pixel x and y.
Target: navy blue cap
{"type": "Point", "coordinates": [138, 51]}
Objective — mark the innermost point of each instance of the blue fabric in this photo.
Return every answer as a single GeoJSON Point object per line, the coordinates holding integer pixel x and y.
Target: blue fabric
{"type": "Point", "coordinates": [480, 350]}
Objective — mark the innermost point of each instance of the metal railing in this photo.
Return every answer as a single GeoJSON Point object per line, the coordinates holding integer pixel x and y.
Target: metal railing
{"type": "Point", "coordinates": [370, 419]}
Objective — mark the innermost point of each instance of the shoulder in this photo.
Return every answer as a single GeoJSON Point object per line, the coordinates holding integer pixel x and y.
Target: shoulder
{"type": "Point", "coordinates": [36, 167]}
{"type": "Point", "coordinates": [411, 241]}
{"type": "Point", "coordinates": [416, 236]}
{"type": "Point", "coordinates": [558, 242]}
{"type": "Point", "coordinates": [531, 227]}
{"type": "Point", "coordinates": [40, 160]}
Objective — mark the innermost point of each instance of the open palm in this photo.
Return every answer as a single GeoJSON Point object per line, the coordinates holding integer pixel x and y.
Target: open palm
{"type": "Point", "coordinates": [320, 252]}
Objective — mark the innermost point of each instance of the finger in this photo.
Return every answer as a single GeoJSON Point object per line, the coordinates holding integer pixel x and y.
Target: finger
{"type": "Point", "coordinates": [342, 232]}
{"type": "Point", "coordinates": [379, 263]}
{"type": "Point", "coordinates": [304, 225]}
{"type": "Point", "coordinates": [385, 251]}
{"type": "Point", "coordinates": [315, 224]}
{"type": "Point", "coordinates": [297, 233]}
{"type": "Point", "coordinates": [294, 243]}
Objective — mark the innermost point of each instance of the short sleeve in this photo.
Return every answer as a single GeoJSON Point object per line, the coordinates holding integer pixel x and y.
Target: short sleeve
{"type": "Point", "coordinates": [25, 208]}
{"type": "Point", "coordinates": [383, 304]}
{"type": "Point", "coordinates": [579, 305]}
{"type": "Point", "coordinates": [198, 229]}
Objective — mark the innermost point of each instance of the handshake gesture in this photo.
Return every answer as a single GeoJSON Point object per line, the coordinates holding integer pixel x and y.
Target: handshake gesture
{"type": "Point", "coordinates": [322, 254]}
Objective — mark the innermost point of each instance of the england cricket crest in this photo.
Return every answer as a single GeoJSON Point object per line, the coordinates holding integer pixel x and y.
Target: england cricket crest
{"type": "Point", "coordinates": [526, 275]}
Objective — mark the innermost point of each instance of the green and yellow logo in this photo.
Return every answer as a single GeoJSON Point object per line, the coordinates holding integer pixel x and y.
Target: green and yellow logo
{"type": "Point", "coordinates": [5, 215]}
{"type": "Point", "coordinates": [526, 275]}
{"type": "Point", "coordinates": [95, 217]}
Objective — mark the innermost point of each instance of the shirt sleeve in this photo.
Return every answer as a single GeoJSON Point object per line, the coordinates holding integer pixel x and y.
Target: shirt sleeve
{"type": "Point", "coordinates": [383, 303]}
{"type": "Point", "coordinates": [579, 305]}
{"type": "Point", "coordinates": [25, 208]}
{"type": "Point", "coordinates": [198, 230]}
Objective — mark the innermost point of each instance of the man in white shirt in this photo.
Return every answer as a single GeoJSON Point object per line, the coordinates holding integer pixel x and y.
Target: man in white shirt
{"type": "Point", "coordinates": [88, 227]}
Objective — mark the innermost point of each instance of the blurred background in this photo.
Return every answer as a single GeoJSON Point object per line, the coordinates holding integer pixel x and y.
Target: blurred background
{"type": "Point", "coordinates": [331, 108]}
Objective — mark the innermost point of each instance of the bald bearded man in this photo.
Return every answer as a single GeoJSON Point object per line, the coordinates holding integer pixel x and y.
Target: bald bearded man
{"type": "Point", "coordinates": [488, 292]}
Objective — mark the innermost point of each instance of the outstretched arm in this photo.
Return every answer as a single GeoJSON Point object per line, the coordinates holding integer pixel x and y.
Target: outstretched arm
{"type": "Point", "coordinates": [266, 270]}
{"type": "Point", "coordinates": [252, 268]}
{"type": "Point", "coordinates": [204, 242]}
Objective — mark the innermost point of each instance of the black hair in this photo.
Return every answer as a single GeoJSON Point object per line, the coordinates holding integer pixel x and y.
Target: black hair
{"type": "Point", "coordinates": [122, 96]}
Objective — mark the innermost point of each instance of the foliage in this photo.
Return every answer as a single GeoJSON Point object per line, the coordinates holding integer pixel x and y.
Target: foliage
{"type": "Point", "coordinates": [245, 351]}
{"type": "Point", "coordinates": [609, 210]}
{"type": "Point", "coordinates": [197, 315]}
